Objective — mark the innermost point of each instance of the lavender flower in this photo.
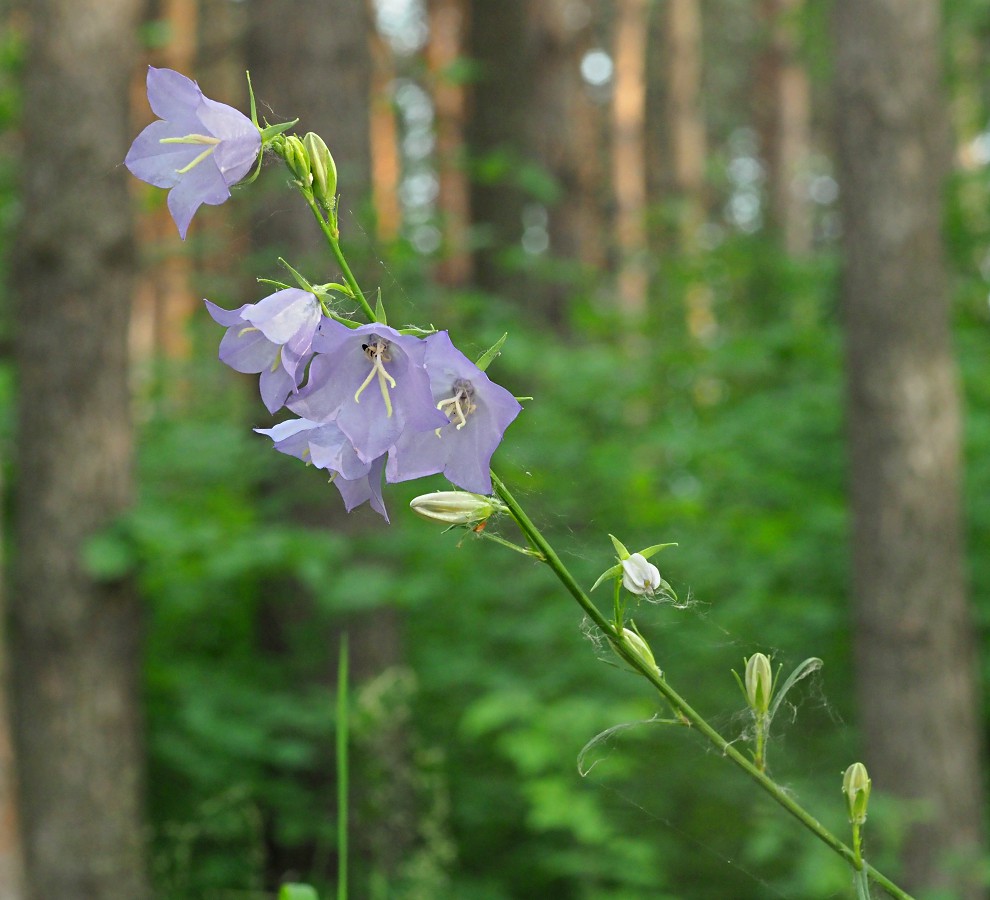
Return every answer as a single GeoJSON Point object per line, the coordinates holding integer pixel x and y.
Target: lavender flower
{"type": "Point", "coordinates": [273, 337]}
{"type": "Point", "coordinates": [326, 447]}
{"type": "Point", "coordinates": [371, 382]}
{"type": "Point", "coordinates": [477, 412]}
{"type": "Point", "coordinates": [198, 148]}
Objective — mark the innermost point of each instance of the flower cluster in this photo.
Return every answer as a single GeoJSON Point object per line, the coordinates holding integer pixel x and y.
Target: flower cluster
{"type": "Point", "coordinates": [374, 399]}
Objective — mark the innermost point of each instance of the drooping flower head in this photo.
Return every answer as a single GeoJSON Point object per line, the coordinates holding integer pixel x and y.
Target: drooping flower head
{"type": "Point", "coordinates": [273, 337]}
{"type": "Point", "coordinates": [477, 412]}
{"type": "Point", "coordinates": [326, 447]}
{"type": "Point", "coordinates": [198, 148]}
{"type": "Point", "coordinates": [372, 382]}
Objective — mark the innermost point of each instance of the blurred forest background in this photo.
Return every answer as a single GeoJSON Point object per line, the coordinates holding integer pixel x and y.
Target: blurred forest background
{"type": "Point", "coordinates": [742, 252]}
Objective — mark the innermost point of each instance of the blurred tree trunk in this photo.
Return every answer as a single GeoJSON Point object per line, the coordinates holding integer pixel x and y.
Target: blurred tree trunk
{"type": "Point", "coordinates": [74, 639]}
{"type": "Point", "coordinates": [783, 109]}
{"type": "Point", "coordinates": [497, 133]}
{"type": "Point", "coordinates": [529, 106]}
{"type": "Point", "coordinates": [915, 639]}
{"type": "Point", "coordinates": [386, 161]}
{"type": "Point", "coordinates": [629, 157]}
{"type": "Point", "coordinates": [677, 142]}
{"type": "Point", "coordinates": [12, 886]}
{"type": "Point", "coordinates": [311, 59]}
{"type": "Point", "coordinates": [448, 34]}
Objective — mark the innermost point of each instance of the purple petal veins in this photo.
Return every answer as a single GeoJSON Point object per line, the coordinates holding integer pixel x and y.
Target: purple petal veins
{"type": "Point", "coordinates": [326, 447]}
{"type": "Point", "coordinates": [273, 337]}
{"type": "Point", "coordinates": [198, 148]}
{"type": "Point", "coordinates": [477, 411]}
{"type": "Point", "coordinates": [370, 381]}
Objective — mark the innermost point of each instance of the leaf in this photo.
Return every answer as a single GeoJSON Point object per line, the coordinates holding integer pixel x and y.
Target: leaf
{"type": "Point", "coordinates": [808, 667]}
{"type": "Point", "coordinates": [380, 310]}
{"type": "Point", "coordinates": [608, 573]}
{"type": "Point", "coordinates": [656, 548]}
{"type": "Point", "coordinates": [620, 548]}
{"type": "Point", "coordinates": [486, 358]}
{"type": "Point", "coordinates": [297, 892]}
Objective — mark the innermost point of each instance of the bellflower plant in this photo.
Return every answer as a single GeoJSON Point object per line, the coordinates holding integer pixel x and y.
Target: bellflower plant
{"type": "Point", "coordinates": [478, 412]}
{"type": "Point", "coordinates": [327, 447]}
{"type": "Point", "coordinates": [273, 337]}
{"type": "Point", "coordinates": [197, 149]}
{"type": "Point", "coordinates": [384, 402]}
{"type": "Point", "coordinates": [372, 382]}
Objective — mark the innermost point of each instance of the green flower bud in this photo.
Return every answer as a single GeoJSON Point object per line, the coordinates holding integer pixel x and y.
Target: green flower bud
{"type": "Point", "coordinates": [322, 167]}
{"type": "Point", "coordinates": [639, 648]}
{"type": "Point", "coordinates": [759, 683]}
{"type": "Point", "coordinates": [455, 507]}
{"type": "Point", "coordinates": [297, 159]}
{"type": "Point", "coordinates": [856, 786]}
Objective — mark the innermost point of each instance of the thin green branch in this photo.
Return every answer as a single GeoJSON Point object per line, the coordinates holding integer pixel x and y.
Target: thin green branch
{"type": "Point", "coordinates": [333, 240]}
{"type": "Point", "coordinates": [679, 704]}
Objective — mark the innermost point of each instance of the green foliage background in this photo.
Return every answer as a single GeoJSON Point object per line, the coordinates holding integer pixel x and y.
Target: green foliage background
{"type": "Point", "coordinates": [469, 749]}
{"type": "Point", "coordinates": [250, 572]}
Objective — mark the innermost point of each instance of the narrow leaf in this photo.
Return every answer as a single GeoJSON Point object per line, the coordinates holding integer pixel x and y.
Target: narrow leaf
{"type": "Point", "coordinates": [656, 548]}
{"type": "Point", "coordinates": [608, 573]}
{"type": "Point", "coordinates": [380, 310]}
{"type": "Point", "coordinates": [808, 667]}
{"type": "Point", "coordinates": [620, 548]}
{"type": "Point", "coordinates": [486, 358]}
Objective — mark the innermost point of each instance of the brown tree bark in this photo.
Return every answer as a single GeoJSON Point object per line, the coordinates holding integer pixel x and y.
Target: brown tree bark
{"type": "Point", "coordinates": [629, 157]}
{"type": "Point", "coordinates": [499, 44]}
{"type": "Point", "coordinates": [685, 124]}
{"type": "Point", "coordinates": [783, 98]}
{"type": "Point", "coordinates": [12, 886]}
{"type": "Point", "coordinates": [915, 641]}
{"type": "Point", "coordinates": [75, 640]}
{"type": "Point", "coordinates": [448, 34]}
{"type": "Point", "coordinates": [311, 59]}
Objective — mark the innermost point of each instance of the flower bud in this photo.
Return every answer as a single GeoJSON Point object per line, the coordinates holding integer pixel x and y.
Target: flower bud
{"type": "Point", "coordinates": [638, 647]}
{"type": "Point", "coordinates": [856, 786]}
{"type": "Point", "coordinates": [297, 159]}
{"type": "Point", "coordinates": [322, 167]}
{"type": "Point", "coordinates": [640, 576]}
{"type": "Point", "coordinates": [455, 507]}
{"type": "Point", "coordinates": [759, 683]}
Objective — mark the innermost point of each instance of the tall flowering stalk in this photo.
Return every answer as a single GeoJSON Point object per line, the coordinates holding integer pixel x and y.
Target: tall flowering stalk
{"type": "Point", "coordinates": [373, 401]}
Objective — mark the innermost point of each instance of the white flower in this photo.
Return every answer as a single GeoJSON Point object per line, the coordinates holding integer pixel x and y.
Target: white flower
{"type": "Point", "coordinates": [639, 576]}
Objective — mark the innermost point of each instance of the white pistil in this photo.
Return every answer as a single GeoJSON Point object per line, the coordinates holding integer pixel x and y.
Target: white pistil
{"type": "Point", "coordinates": [377, 352]}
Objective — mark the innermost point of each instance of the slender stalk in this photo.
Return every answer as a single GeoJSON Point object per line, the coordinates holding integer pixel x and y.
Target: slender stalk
{"type": "Point", "coordinates": [342, 761]}
{"type": "Point", "coordinates": [679, 704]}
{"type": "Point", "coordinates": [333, 240]}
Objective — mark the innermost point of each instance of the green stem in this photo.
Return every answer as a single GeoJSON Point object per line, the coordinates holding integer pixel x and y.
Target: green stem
{"type": "Point", "coordinates": [330, 233]}
{"type": "Point", "coordinates": [679, 704]}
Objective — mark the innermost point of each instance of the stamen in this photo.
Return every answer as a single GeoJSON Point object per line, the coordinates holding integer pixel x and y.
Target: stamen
{"type": "Point", "coordinates": [460, 405]}
{"type": "Point", "coordinates": [377, 351]}
{"type": "Point", "coordinates": [246, 329]}
{"type": "Point", "coordinates": [191, 139]}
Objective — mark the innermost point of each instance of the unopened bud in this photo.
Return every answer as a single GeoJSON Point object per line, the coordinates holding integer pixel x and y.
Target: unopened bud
{"type": "Point", "coordinates": [759, 683]}
{"type": "Point", "coordinates": [322, 167]}
{"type": "Point", "coordinates": [455, 507]}
{"type": "Point", "coordinates": [635, 644]}
{"type": "Point", "coordinates": [640, 576]}
{"type": "Point", "coordinates": [297, 159]}
{"type": "Point", "coordinates": [856, 786]}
